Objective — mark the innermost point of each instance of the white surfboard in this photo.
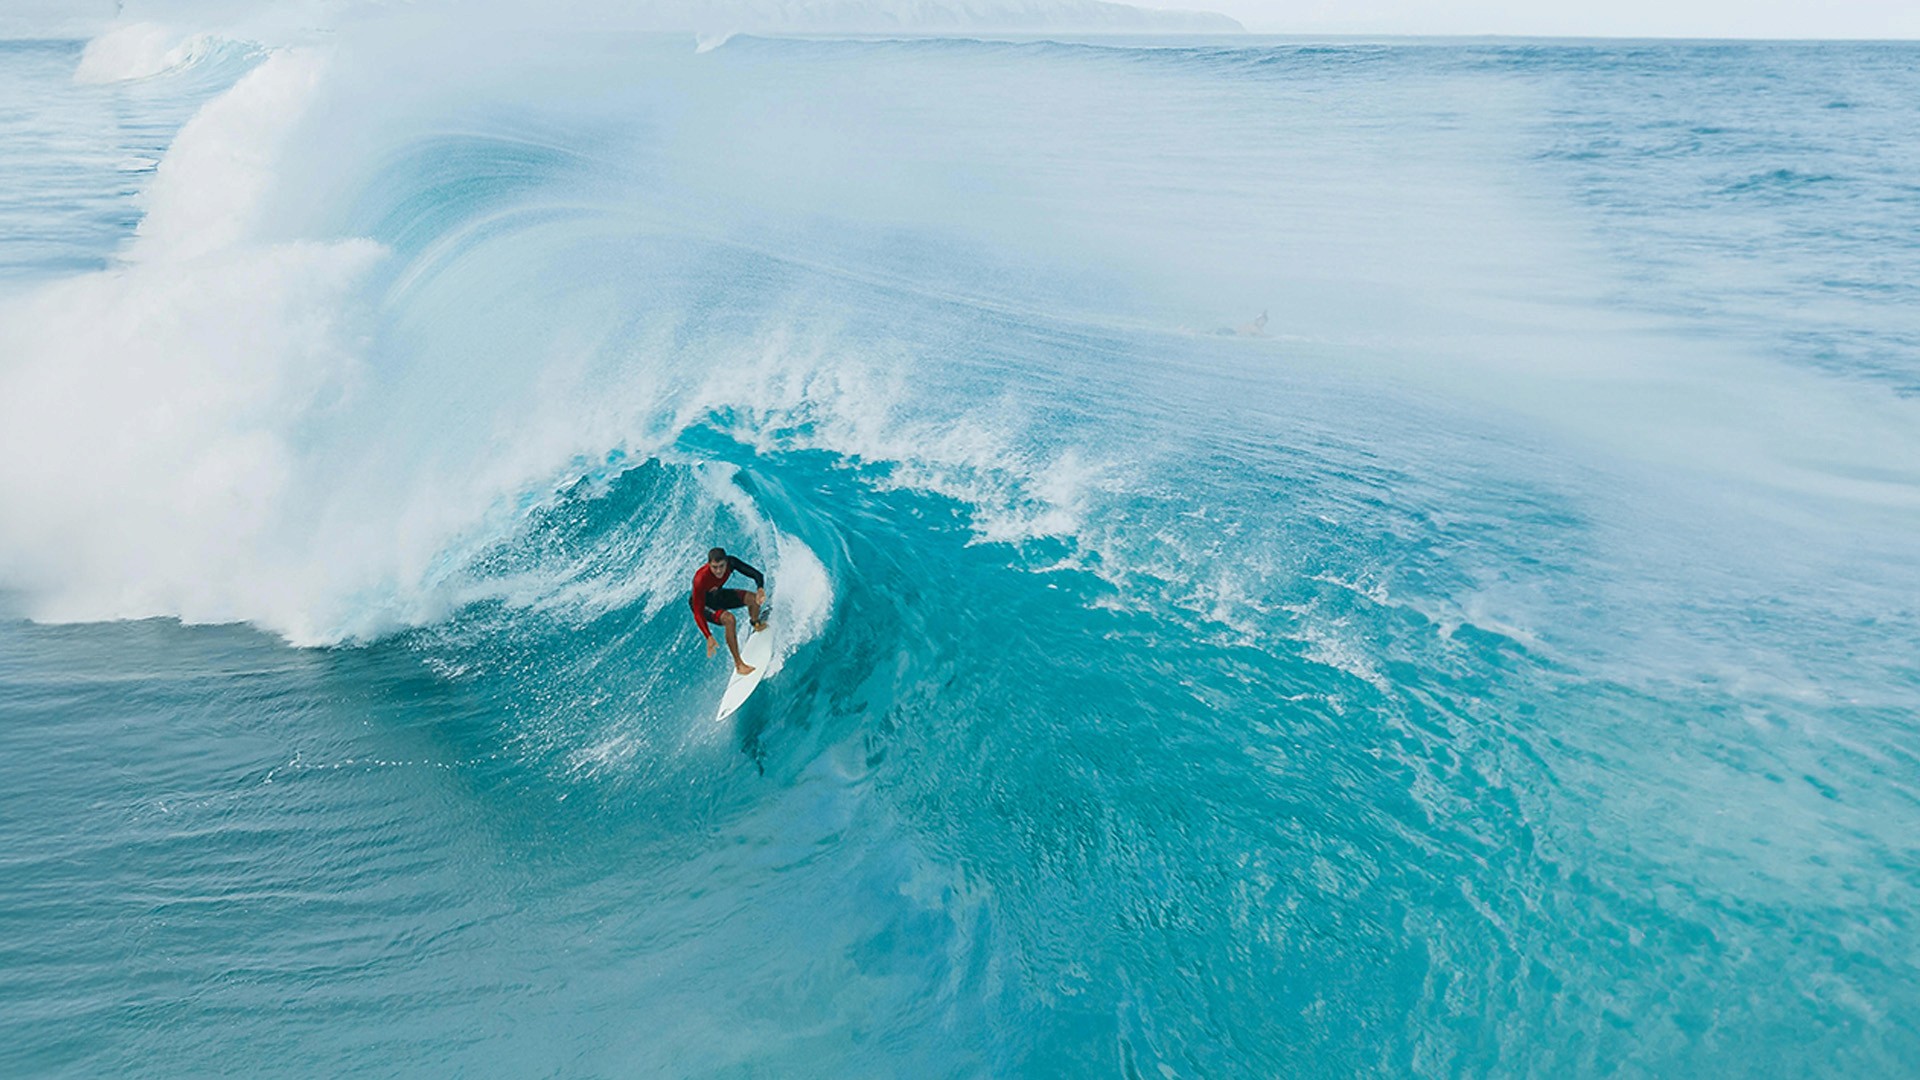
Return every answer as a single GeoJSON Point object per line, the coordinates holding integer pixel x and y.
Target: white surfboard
{"type": "Point", "coordinates": [757, 650]}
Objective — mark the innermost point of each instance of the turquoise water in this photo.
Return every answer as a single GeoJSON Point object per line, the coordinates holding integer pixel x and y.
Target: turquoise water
{"type": "Point", "coordinates": [1504, 663]}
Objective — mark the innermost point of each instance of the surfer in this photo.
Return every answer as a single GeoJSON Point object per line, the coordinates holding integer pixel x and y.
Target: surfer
{"type": "Point", "coordinates": [712, 602]}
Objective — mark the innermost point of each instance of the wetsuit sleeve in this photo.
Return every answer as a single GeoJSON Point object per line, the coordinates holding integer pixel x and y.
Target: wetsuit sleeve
{"type": "Point", "coordinates": [759, 579]}
{"type": "Point", "coordinates": [700, 612]}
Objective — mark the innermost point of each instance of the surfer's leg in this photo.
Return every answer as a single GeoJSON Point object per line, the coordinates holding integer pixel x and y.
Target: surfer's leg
{"type": "Point", "coordinates": [753, 609]}
{"type": "Point", "coordinates": [733, 642]}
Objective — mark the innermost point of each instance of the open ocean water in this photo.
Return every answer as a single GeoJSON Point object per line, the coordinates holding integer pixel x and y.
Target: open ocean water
{"type": "Point", "coordinates": [1503, 661]}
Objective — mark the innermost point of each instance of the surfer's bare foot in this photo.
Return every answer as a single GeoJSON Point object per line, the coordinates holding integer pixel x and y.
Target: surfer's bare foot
{"type": "Point", "coordinates": [744, 669]}
{"type": "Point", "coordinates": [759, 626]}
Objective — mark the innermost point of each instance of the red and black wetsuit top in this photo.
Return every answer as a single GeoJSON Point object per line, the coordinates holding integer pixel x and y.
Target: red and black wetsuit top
{"type": "Point", "coordinates": [706, 583]}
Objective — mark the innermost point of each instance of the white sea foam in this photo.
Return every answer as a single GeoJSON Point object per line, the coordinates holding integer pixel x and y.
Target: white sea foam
{"type": "Point", "coordinates": [147, 413]}
{"type": "Point", "coordinates": [806, 596]}
{"type": "Point", "coordinates": [152, 411]}
{"type": "Point", "coordinates": [208, 192]}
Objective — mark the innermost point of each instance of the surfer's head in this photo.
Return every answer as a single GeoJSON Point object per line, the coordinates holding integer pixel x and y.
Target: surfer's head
{"type": "Point", "coordinates": [717, 559]}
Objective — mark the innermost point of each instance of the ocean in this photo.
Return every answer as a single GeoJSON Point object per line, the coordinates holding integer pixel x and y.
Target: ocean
{"type": "Point", "coordinates": [1288, 558]}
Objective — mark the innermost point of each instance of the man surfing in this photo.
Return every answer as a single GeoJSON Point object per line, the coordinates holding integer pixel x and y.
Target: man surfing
{"type": "Point", "coordinates": [712, 602]}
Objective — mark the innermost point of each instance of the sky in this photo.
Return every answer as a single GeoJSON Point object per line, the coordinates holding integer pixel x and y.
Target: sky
{"type": "Point", "coordinates": [1575, 18]}
{"type": "Point", "coordinates": [1547, 18]}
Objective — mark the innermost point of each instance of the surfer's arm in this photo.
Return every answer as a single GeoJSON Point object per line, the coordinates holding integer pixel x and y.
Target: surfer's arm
{"type": "Point", "coordinates": [700, 616]}
{"type": "Point", "coordinates": [759, 579]}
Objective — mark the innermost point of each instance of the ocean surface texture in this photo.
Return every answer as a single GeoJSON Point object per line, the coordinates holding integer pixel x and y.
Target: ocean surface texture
{"type": "Point", "coordinates": [1501, 659]}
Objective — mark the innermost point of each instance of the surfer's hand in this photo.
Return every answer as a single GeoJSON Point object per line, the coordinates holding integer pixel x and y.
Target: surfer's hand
{"type": "Point", "coordinates": [760, 595]}
{"type": "Point", "coordinates": [710, 646]}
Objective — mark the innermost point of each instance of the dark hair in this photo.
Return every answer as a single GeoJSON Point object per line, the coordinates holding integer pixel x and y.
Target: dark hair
{"type": "Point", "coordinates": [716, 554]}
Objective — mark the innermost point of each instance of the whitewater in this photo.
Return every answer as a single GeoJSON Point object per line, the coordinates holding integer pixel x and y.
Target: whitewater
{"type": "Point", "coordinates": [1291, 558]}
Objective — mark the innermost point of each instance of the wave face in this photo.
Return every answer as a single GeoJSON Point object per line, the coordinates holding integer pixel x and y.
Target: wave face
{"type": "Point", "coordinates": [1291, 559]}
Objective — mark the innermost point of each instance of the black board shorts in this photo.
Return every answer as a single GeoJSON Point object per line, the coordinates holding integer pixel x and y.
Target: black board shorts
{"type": "Point", "coordinates": [719, 600]}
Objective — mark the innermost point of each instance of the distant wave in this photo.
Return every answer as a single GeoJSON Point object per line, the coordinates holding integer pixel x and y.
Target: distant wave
{"type": "Point", "coordinates": [144, 50]}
